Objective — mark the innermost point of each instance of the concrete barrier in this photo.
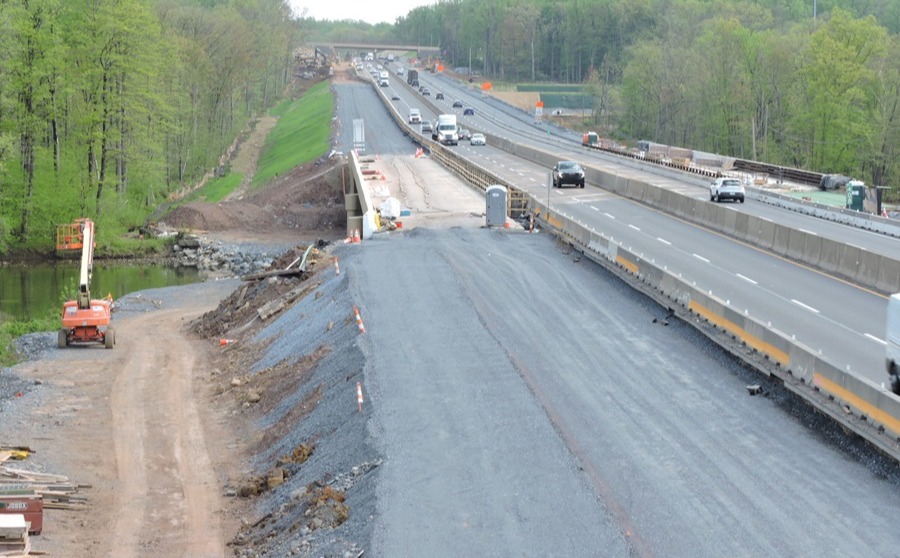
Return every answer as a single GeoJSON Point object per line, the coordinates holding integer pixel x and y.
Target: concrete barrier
{"type": "Point", "coordinates": [812, 250]}
{"type": "Point", "coordinates": [848, 261]}
{"type": "Point", "coordinates": [796, 244]}
{"type": "Point", "coordinates": [873, 410]}
{"type": "Point", "coordinates": [782, 240]}
{"type": "Point", "coordinates": [742, 227]}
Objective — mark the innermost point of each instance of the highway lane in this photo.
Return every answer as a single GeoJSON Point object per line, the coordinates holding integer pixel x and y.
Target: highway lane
{"type": "Point", "coordinates": [492, 117]}
{"type": "Point", "coordinates": [843, 323]}
{"type": "Point", "coordinates": [487, 350]}
{"type": "Point", "coordinates": [527, 404]}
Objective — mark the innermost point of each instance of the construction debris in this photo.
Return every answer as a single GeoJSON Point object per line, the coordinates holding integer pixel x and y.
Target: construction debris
{"type": "Point", "coordinates": [55, 490]}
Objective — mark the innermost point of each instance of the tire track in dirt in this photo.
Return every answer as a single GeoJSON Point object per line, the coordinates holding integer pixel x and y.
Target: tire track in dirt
{"type": "Point", "coordinates": [168, 495]}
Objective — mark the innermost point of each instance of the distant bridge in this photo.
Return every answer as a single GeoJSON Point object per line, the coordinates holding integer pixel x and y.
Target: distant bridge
{"type": "Point", "coordinates": [367, 47]}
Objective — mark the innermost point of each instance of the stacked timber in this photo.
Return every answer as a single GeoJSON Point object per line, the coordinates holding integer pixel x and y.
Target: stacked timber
{"type": "Point", "coordinates": [14, 535]}
{"type": "Point", "coordinates": [56, 491]}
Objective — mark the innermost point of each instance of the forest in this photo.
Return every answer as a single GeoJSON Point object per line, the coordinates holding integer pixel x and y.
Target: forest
{"type": "Point", "coordinates": [109, 108]}
{"type": "Point", "coordinates": [812, 84]}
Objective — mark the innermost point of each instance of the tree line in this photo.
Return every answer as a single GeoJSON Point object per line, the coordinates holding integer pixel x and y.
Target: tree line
{"type": "Point", "coordinates": [756, 79]}
{"type": "Point", "coordinates": [108, 106]}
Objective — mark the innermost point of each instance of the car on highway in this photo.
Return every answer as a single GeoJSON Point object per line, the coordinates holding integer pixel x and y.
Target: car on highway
{"type": "Point", "coordinates": [395, 97]}
{"type": "Point", "coordinates": [439, 97]}
{"type": "Point", "coordinates": [426, 126]}
{"type": "Point", "coordinates": [464, 134]}
{"type": "Point", "coordinates": [726, 189]}
{"type": "Point", "coordinates": [426, 92]}
{"type": "Point", "coordinates": [478, 139]}
{"type": "Point", "coordinates": [457, 104]}
{"type": "Point", "coordinates": [469, 112]}
{"type": "Point", "coordinates": [567, 172]}
{"type": "Point", "coordinates": [421, 88]}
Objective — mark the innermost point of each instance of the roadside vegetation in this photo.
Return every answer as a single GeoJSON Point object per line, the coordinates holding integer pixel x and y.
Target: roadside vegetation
{"type": "Point", "coordinates": [110, 107]}
{"type": "Point", "coordinates": [756, 79]}
{"type": "Point", "coordinates": [303, 133]}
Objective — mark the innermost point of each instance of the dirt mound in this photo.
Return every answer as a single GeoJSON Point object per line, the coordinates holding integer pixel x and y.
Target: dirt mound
{"type": "Point", "coordinates": [310, 198]}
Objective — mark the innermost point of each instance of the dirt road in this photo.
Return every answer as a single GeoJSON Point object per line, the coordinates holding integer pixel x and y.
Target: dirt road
{"type": "Point", "coordinates": [138, 424]}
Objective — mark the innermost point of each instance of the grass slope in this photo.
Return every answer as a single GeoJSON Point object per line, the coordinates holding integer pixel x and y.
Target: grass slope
{"type": "Point", "coordinates": [303, 133]}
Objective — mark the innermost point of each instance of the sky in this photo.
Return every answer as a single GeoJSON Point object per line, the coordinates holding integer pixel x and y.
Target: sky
{"type": "Point", "coordinates": [370, 11]}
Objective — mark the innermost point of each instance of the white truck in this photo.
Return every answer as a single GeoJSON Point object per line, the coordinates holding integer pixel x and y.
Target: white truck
{"type": "Point", "coordinates": [383, 79]}
{"type": "Point", "coordinates": [446, 131]}
{"type": "Point", "coordinates": [892, 338]}
{"type": "Point", "coordinates": [415, 117]}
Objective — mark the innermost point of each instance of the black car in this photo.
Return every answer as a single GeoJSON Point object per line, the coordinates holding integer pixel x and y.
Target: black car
{"type": "Point", "coordinates": [439, 97]}
{"type": "Point", "coordinates": [457, 104]}
{"type": "Point", "coordinates": [469, 112]}
{"type": "Point", "coordinates": [395, 98]}
{"type": "Point", "coordinates": [568, 172]}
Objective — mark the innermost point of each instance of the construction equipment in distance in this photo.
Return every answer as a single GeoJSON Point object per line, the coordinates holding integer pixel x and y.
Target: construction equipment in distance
{"type": "Point", "coordinates": [83, 320]}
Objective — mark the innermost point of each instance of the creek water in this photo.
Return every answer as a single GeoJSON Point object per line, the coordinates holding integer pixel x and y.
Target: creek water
{"type": "Point", "coordinates": [39, 290]}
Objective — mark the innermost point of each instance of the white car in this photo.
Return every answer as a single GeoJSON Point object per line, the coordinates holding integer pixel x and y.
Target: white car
{"type": "Point", "coordinates": [477, 139]}
{"type": "Point", "coordinates": [726, 189]}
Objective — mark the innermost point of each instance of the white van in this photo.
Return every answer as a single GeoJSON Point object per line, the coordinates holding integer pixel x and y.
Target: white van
{"type": "Point", "coordinates": [892, 337]}
{"type": "Point", "coordinates": [415, 117]}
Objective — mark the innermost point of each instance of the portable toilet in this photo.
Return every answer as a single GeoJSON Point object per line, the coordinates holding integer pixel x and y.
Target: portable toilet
{"type": "Point", "coordinates": [495, 210]}
{"type": "Point", "coordinates": [856, 195]}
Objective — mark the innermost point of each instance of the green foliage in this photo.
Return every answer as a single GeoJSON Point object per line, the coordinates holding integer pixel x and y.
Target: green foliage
{"type": "Point", "coordinates": [302, 134]}
{"type": "Point", "coordinates": [549, 88]}
{"type": "Point", "coordinates": [109, 106]}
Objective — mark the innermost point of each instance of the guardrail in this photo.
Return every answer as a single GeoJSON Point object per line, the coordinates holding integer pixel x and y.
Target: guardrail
{"type": "Point", "coordinates": [855, 402]}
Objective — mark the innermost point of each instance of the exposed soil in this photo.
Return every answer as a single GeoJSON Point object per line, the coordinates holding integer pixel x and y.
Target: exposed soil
{"type": "Point", "coordinates": [151, 426]}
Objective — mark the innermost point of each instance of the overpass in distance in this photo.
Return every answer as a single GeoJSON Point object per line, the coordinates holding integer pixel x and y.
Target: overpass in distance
{"type": "Point", "coordinates": [420, 50]}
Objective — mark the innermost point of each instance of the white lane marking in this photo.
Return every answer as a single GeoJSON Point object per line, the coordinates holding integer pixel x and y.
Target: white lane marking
{"type": "Point", "coordinates": [594, 207]}
{"type": "Point", "coordinates": [808, 232]}
{"type": "Point", "coordinates": [873, 338]}
{"type": "Point", "coordinates": [610, 216]}
{"type": "Point", "coordinates": [533, 179]}
{"type": "Point", "coordinates": [767, 219]}
{"type": "Point", "coordinates": [633, 227]}
{"type": "Point", "coordinates": [701, 258]}
{"type": "Point", "coordinates": [664, 241]}
{"type": "Point", "coordinates": [810, 308]}
{"type": "Point", "coordinates": [747, 279]}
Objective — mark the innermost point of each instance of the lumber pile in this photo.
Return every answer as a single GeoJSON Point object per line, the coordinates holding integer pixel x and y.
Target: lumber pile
{"type": "Point", "coordinates": [14, 536]}
{"type": "Point", "coordinates": [55, 490]}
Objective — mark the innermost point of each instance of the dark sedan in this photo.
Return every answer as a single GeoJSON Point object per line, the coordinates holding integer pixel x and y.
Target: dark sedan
{"type": "Point", "coordinates": [568, 172]}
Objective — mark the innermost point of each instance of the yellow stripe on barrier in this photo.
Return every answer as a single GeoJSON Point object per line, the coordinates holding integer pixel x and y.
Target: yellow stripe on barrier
{"type": "Point", "coordinates": [630, 266]}
{"type": "Point", "coordinates": [877, 415]}
{"type": "Point", "coordinates": [752, 341]}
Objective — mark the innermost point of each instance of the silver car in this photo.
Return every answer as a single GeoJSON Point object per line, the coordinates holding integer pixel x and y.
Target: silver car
{"type": "Point", "coordinates": [726, 189]}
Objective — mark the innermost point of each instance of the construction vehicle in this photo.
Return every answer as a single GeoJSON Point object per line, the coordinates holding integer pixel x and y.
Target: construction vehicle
{"type": "Point", "coordinates": [83, 320]}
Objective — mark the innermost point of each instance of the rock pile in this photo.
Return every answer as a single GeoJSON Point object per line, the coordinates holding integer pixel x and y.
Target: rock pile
{"type": "Point", "coordinates": [216, 257]}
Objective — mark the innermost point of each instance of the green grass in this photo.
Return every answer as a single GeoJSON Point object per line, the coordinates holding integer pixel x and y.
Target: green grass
{"type": "Point", "coordinates": [303, 133]}
{"type": "Point", "coordinates": [216, 189]}
{"type": "Point", "coordinates": [9, 331]}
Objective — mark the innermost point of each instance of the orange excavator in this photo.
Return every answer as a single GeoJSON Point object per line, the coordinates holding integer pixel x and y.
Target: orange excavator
{"type": "Point", "coordinates": [83, 320]}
